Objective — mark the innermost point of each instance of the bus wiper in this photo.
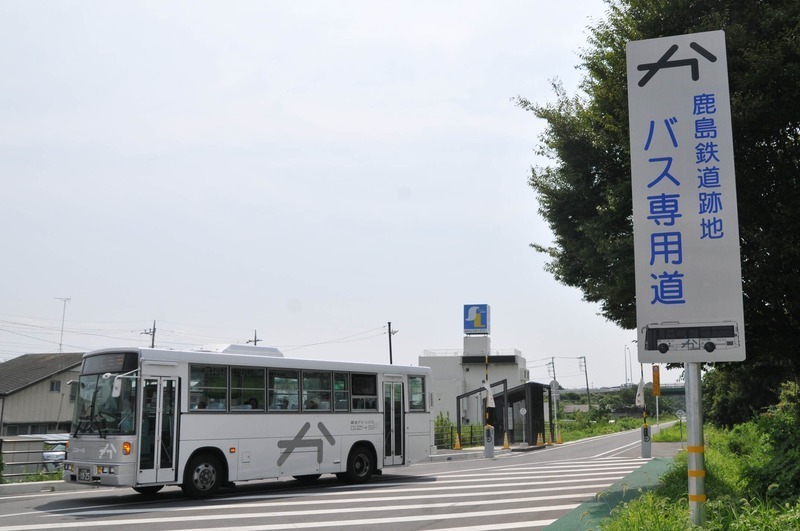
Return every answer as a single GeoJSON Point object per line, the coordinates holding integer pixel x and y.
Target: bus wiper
{"type": "Point", "coordinates": [78, 426]}
{"type": "Point", "coordinates": [96, 421]}
{"type": "Point", "coordinates": [81, 424]}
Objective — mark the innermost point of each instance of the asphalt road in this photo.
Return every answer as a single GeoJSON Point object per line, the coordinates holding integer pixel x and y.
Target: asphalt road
{"type": "Point", "coordinates": [457, 490]}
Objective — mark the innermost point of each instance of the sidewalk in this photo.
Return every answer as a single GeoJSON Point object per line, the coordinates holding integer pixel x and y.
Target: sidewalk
{"type": "Point", "coordinates": [44, 486]}
{"type": "Point", "coordinates": [476, 452]}
{"type": "Point", "coordinates": [645, 478]}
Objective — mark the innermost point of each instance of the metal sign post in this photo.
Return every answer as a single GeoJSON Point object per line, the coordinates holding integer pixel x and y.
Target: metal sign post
{"type": "Point", "coordinates": [695, 445]}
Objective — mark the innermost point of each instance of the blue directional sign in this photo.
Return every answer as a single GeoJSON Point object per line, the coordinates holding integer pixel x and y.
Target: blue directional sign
{"type": "Point", "coordinates": [476, 319]}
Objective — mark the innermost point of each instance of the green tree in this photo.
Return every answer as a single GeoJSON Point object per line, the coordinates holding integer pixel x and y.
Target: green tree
{"type": "Point", "coordinates": [585, 193]}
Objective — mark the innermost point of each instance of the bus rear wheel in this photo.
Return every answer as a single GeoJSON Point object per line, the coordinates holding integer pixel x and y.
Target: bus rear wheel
{"type": "Point", "coordinates": [360, 466]}
{"type": "Point", "coordinates": [202, 477]}
{"type": "Point", "coordinates": [148, 491]}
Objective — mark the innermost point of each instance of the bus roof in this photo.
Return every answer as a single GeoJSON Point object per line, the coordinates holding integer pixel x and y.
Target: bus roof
{"type": "Point", "coordinates": [247, 355]}
{"type": "Point", "coordinates": [241, 349]}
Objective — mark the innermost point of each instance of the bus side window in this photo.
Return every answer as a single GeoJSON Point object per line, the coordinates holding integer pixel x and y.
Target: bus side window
{"type": "Point", "coordinates": [247, 389]}
{"type": "Point", "coordinates": [341, 391]}
{"type": "Point", "coordinates": [209, 387]}
{"type": "Point", "coordinates": [317, 390]}
{"type": "Point", "coordinates": [365, 391]}
{"type": "Point", "coordinates": [283, 386]}
{"type": "Point", "coordinates": [416, 393]}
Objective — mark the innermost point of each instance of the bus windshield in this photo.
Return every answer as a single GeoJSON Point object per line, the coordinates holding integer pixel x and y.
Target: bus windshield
{"type": "Point", "coordinates": [97, 412]}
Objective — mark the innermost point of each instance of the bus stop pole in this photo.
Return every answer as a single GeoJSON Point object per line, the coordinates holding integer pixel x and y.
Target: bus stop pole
{"type": "Point", "coordinates": [695, 444]}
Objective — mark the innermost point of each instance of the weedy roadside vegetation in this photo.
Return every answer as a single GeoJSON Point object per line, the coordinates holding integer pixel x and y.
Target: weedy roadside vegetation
{"type": "Point", "coordinates": [752, 479]}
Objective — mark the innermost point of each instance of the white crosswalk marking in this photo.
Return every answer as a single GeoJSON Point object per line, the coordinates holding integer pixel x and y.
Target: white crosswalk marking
{"type": "Point", "coordinates": [521, 496]}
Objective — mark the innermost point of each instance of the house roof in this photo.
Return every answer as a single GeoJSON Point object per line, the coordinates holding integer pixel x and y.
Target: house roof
{"type": "Point", "coordinates": [28, 369]}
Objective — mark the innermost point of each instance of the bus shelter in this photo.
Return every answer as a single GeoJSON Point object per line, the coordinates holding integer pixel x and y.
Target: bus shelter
{"type": "Point", "coordinates": [529, 414]}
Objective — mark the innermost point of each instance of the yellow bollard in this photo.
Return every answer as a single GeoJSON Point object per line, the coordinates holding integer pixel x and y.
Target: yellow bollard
{"type": "Point", "coordinates": [550, 440]}
{"type": "Point", "coordinates": [540, 440]}
{"type": "Point", "coordinates": [559, 438]}
{"type": "Point", "coordinates": [458, 443]}
{"type": "Point", "coordinates": [505, 441]}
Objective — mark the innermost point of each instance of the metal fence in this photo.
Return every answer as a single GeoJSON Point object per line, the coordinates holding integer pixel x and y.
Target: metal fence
{"type": "Point", "coordinates": [444, 437]}
{"type": "Point", "coordinates": [28, 455]}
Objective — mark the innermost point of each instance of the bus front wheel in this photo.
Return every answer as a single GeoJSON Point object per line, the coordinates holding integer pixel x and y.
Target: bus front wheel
{"type": "Point", "coordinates": [360, 466]}
{"type": "Point", "coordinates": [202, 477]}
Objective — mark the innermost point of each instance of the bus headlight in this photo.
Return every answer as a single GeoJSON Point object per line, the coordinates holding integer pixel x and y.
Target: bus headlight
{"type": "Point", "coordinates": [126, 448]}
{"type": "Point", "coordinates": [101, 469]}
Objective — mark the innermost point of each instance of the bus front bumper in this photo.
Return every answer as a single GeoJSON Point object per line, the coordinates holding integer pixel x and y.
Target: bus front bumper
{"type": "Point", "coordinates": [107, 474]}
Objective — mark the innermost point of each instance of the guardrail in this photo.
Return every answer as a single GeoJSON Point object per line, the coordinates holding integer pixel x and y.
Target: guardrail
{"type": "Point", "coordinates": [22, 457]}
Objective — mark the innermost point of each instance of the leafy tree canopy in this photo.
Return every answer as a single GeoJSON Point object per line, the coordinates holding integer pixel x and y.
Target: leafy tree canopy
{"type": "Point", "coordinates": [585, 193]}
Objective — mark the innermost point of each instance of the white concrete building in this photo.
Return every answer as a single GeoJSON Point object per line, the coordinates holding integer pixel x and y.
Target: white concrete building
{"type": "Point", "coordinates": [456, 372]}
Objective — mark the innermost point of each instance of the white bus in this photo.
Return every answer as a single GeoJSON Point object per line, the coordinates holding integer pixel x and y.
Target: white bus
{"type": "Point", "coordinates": [673, 336]}
{"type": "Point", "coordinates": [145, 418]}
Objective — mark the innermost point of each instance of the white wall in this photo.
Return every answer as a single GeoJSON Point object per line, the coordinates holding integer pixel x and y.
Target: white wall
{"type": "Point", "coordinates": [452, 377]}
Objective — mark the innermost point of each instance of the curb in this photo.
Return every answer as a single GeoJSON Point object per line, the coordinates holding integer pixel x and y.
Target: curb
{"type": "Point", "coordinates": [477, 453]}
{"type": "Point", "coordinates": [44, 487]}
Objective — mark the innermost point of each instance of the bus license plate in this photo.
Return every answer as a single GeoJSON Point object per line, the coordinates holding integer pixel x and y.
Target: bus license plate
{"type": "Point", "coordinates": [84, 474]}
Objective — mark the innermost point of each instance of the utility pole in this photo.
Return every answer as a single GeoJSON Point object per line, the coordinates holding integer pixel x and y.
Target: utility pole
{"type": "Point", "coordinates": [586, 374]}
{"type": "Point", "coordinates": [65, 300]}
{"type": "Point", "coordinates": [152, 334]}
{"type": "Point", "coordinates": [391, 333]}
{"type": "Point", "coordinates": [255, 339]}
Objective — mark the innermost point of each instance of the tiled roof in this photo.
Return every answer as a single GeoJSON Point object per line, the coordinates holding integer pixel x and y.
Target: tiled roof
{"type": "Point", "coordinates": [28, 369]}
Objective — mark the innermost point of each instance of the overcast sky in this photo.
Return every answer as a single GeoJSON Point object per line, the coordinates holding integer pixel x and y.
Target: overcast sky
{"type": "Point", "coordinates": [306, 170]}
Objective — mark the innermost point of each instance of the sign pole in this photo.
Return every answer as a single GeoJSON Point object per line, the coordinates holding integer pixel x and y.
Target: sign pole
{"type": "Point", "coordinates": [695, 444]}
{"type": "Point", "coordinates": [656, 386]}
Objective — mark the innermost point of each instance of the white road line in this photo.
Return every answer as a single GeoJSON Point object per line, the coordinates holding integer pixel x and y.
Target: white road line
{"type": "Point", "coordinates": [427, 491]}
{"type": "Point", "coordinates": [493, 527]}
{"type": "Point", "coordinates": [538, 473]}
{"type": "Point", "coordinates": [567, 462]}
{"type": "Point", "coordinates": [528, 524]}
{"type": "Point", "coordinates": [589, 491]}
{"type": "Point", "coordinates": [279, 505]}
{"type": "Point", "coordinates": [301, 525]}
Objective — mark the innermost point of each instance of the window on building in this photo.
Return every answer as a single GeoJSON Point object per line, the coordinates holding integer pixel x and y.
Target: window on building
{"type": "Point", "coordinates": [55, 386]}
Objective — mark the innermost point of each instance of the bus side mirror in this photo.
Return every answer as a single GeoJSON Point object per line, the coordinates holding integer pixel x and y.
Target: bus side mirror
{"type": "Point", "coordinates": [116, 389]}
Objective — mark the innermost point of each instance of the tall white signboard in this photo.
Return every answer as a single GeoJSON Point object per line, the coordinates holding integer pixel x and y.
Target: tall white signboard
{"type": "Point", "coordinates": [686, 227]}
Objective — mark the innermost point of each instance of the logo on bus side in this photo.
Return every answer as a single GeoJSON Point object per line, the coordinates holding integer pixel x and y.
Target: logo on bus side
{"type": "Point", "coordinates": [362, 425]}
{"type": "Point", "coordinates": [291, 445]}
